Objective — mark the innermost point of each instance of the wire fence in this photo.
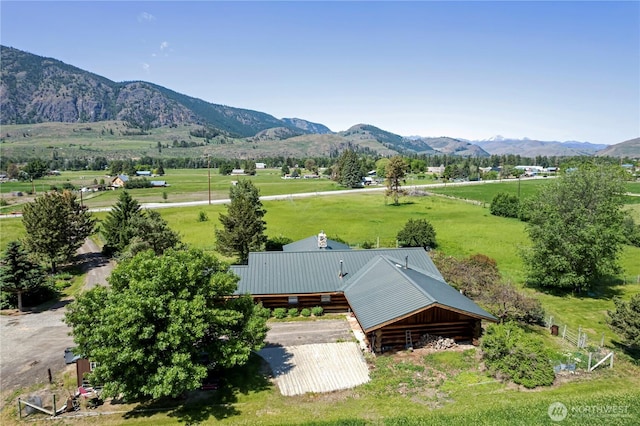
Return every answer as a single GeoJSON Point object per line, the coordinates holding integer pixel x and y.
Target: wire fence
{"type": "Point", "coordinates": [590, 343]}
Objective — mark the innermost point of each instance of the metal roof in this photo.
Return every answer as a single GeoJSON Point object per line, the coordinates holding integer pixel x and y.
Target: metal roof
{"type": "Point", "coordinates": [318, 271]}
{"type": "Point", "coordinates": [311, 244]}
{"type": "Point", "coordinates": [385, 289]}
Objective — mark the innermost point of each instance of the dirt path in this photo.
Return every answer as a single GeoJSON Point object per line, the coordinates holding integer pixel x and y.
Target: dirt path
{"type": "Point", "coordinates": [33, 342]}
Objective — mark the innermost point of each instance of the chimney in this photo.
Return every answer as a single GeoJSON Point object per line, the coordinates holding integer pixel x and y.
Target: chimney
{"type": "Point", "coordinates": [322, 240]}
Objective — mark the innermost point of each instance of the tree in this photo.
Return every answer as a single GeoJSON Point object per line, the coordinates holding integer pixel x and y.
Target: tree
{"type": "Point", "coordinates": [505, 205]}
{"type": "Point", "coordinates": [243, 226]}
{"type": "Point", "coordinates": [417, 233]}
{"type": "Point", "coordinates": [116, 228]}
{"type": "Point", "coordinates": [164, 322]}
{"type": "Point", "coordinates": [18, 274]}
{"type": "Point", "coordinates": [575, 225]}
{"type": "Point", "coordinates": [395, 172]}
{"type": "Point", "coordinates": [150, 231]}
{"type": "Point", "coordinates": [625, 321]}
{"type": "Point", "coordinates": [349, 173]}
{"type": "Point", "coordinates": [36, 168]}
{"type": "Point", "coordinates": [56, 226]}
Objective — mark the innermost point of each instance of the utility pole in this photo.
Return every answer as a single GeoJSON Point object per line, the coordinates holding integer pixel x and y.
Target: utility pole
{"type": "Point", "coordinates": [209, 175]}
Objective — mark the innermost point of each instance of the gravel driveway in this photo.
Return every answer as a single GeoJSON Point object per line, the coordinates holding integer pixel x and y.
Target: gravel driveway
{"type": "Point", "coordinates": [33, 342]}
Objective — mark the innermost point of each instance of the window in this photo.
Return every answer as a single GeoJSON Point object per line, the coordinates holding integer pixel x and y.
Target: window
{"type": "Point", "coordinates": [325, 298]}
{"type": "Point", "coordinates": [92, 365]}
{"type": "Point", "coordinates": [293, 300]}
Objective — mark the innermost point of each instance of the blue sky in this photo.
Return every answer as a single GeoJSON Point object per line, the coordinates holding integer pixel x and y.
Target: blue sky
{"type": "Point", "coordinates": [543, 70]}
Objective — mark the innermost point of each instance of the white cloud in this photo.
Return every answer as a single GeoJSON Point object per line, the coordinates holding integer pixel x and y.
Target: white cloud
{"type": "Point", "coordinates": [146, 67]}
{"type": "Point", "coordinates": [146, 17]}
{"type": "Point", "coordinates": [164, 45]}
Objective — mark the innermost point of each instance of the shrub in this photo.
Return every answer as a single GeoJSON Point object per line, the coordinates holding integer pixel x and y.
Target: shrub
{"type": "Point", "coordinates": [305, 312]}
{"type": "Point", "coordinates": [293, 312]}
{"type": "Point", "coordinates": [276, 243]}
{"type": "Point", "coordinates": [367, 245]}
{"type": "Point", "coordinates": [317, 311]}
{"type": "Point", "coordinates": [202, 217]}
{"type": "Point", "coordinates": [505, 205]}
{"type": "Point", "coordinates": [279, 313]}
{"type": "Point", "coordinates": [510, 352]}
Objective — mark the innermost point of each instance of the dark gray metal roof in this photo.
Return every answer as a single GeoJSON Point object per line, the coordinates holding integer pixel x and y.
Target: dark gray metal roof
{"type": "Point", "coordinates": [317, 271]}
{"type": "Point", "coordinates": [384, 290]}
{"type": "Point", "coordinates": [311, 244]}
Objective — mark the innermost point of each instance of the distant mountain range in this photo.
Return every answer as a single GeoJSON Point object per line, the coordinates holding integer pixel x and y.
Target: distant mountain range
{"type": "Point", "coordinates": [35, 89]}
{"type": "Point", "coordinates": [499, 145]}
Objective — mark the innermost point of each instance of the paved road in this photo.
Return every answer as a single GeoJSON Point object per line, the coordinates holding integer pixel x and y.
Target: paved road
{"type": "Point", "coordinates": [376, 188]}
{"type": "Point", "coordinates": [33, 342]}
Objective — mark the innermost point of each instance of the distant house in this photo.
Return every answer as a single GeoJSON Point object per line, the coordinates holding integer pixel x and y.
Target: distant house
{"type": "Point", "coordinates": [119, 181]}
{"type": "Point", "coordinates": [397, 295]}
{"type": "Point", "coordinates": [143, 173]}
{"type": "Point", "coordinates": [261, 166]}
{"type": "Point", "coordinates": [436, 170]}
{"type": "Point", "coordinates": [158, 183]}
{"type": "Point", "coordinates": [237, 172]}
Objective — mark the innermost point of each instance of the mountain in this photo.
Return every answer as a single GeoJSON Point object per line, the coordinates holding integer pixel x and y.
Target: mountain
{"type": "Point", "coordinates": [307, 126]}
{"type": "Point", "coordinates": [452, 146]}
{"type": "Point", "coordinates": [35, 89]}
{"type": "Point", "coordinates": [630, 148]}
{"type": "Point", "coordinates": [499, 145]}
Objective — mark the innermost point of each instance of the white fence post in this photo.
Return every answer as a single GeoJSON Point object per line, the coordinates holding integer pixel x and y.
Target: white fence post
{"type": "Point", "coordinates": [589, 366]}
{"type": "Point", "coordinates": [564, 331]}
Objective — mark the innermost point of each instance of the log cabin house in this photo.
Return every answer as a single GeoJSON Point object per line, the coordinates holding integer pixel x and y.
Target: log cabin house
{"type": "Point", "coordinates": [397, 295]}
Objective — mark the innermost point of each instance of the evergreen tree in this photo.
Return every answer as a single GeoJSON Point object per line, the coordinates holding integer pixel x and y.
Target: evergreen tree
{"type": "Point", "coordinates": [56, 226]}
{"type": "Point", "coordinates": [116, 228]}
{"type": "Point", "coordinates": [349, 171]}
{"type": "Point", "coordinates": [150, 231]}
{"type": "Point", "coordinates": [243, 226]}
{"type": "Point", "coordinates": [625, 321]}
{"type": "Point", "coordinates": [18, 274]}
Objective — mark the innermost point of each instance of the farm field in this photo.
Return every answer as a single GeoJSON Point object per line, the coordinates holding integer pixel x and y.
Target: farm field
{"type": "Point", "coordinates": [444, 388]}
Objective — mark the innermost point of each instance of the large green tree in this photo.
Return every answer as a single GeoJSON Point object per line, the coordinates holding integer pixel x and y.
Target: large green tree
{"type": "Point", "coordinates": [575, 228]}
{"type": "Point", "coordinates": [116, 228]}
{"type": "Point", "coordinates": [164, 322]}
{"type": "Point", "coordinates": [417, 233]}
{"type": "Point", "coordinates": [243, 225]}
{"type": "Point", "coordinates": [56, 226]}
{"type": "Point", "coordinates": [18, 274]}
{"type": "Point", "coordinates": [395, 172]}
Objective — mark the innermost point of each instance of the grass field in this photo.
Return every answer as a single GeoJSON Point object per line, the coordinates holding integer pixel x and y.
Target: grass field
{"type": "Point", "coordinates": [442, 389]}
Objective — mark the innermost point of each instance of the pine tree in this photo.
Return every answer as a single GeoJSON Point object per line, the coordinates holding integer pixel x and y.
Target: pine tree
{"type": "Point", "coordinates": [18, 274]}
{"type": "Point", "coordinates": [349, 170]}
{"type": "Point", "coordinates": [243, 226]}
{"type": "Point", "coordinates": [117, 228]}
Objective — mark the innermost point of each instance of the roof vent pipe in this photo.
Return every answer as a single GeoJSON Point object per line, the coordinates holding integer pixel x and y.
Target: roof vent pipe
{"type": "Point", "coordinates": [341, 274]}
{"type": "Point", "coordinates": [406, 262]}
